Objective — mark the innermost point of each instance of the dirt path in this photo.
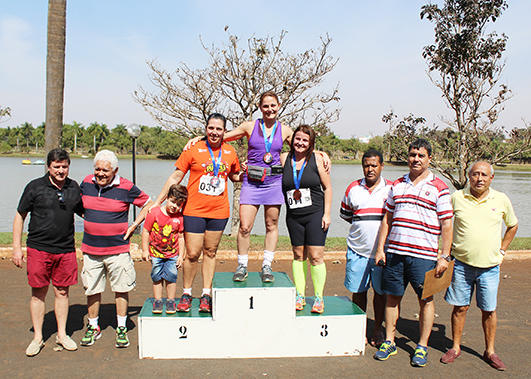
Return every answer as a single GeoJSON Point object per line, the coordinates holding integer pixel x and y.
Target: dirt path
{"type": "Point", "coordinates": [103, 359]}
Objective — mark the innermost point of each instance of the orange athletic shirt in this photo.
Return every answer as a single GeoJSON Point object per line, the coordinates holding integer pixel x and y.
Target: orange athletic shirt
{"type": "Point", "coordinates": [198, 161]}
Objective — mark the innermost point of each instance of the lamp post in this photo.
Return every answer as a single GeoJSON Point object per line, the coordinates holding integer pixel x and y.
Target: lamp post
{"type": "Point", "coordinates": [134, 131]}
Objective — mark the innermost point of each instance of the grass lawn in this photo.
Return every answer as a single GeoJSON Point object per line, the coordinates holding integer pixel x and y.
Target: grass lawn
{"type": "Point", "coordinates": [257, 242]}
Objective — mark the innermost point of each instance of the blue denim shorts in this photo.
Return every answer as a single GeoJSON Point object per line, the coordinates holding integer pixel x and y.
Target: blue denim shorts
{"type": "Point", "coordinates": [486, 281]}
{"type": "Point", "coordinates": [399, 270]}
{"type": "Point", "coordinates": [360, 272]}
{"type": "Point", "coordinates": [164, 268]}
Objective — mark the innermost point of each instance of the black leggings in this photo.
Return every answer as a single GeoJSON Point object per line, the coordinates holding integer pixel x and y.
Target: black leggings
{"type": "Point", "coordinates": [306, 230]}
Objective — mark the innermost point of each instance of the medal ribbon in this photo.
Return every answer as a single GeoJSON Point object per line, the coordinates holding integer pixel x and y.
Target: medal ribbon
{"type": "Point", "coordinates": [268, 141]}
{"type": "Point", "coordinates": [297, 178]}
{"type": "Point", "coordinates": [215, 162]}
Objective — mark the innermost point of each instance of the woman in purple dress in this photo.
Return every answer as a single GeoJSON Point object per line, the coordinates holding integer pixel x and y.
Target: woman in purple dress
{"type": "Point", "coordinates": [262, 185]}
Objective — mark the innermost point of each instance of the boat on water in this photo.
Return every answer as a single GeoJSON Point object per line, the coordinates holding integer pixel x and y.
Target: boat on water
{"type": "Point", "coordinates": [39, 162]}
{"type": "Point", "coordinates": [26, 162]}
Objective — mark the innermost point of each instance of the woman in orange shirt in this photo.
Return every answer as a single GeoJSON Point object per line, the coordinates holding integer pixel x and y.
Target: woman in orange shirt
{"type": "Point", "coordinates": [206, 212]}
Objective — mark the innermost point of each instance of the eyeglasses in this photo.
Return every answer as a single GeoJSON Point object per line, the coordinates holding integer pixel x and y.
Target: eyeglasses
{"type": "Point", "coordinates": [61, 197]}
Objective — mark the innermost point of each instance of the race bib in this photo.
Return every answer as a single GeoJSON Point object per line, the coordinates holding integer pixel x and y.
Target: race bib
{"type": "Point", "coordinates": [206, 187]}
{"type": "Point", "coordinates": [304, 201]}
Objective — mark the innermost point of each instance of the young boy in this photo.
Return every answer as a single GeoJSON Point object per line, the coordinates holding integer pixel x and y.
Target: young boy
{"type": "Point", "coordinates": [163, 245]}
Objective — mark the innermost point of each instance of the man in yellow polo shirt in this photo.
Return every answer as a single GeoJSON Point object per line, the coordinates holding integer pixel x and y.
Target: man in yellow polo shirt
{"type": "Point", "coordinates": [479, 250]}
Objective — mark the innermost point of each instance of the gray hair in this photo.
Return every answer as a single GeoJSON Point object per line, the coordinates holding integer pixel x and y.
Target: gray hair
{"type": "Point", "coordinates": [106, 156]}
{"type": "Point", "coordinates": [491, 168]}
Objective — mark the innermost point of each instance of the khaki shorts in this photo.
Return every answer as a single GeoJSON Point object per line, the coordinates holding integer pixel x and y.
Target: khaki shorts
{"type": "Point", "coordinates": [119, 268]}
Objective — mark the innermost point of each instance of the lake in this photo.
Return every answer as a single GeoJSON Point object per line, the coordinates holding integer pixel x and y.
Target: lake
{"type": "Point", "coordinates": [152, 174]}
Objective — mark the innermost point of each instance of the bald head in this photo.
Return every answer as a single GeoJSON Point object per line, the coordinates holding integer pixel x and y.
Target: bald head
{"type": "Point", "coordinates": [481, 163]}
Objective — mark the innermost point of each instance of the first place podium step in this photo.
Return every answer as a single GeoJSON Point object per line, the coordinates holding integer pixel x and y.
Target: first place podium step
{"type": "Point", "coordinates": [252, 319]}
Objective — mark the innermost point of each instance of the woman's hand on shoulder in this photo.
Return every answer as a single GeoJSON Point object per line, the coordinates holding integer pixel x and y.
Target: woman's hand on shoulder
{"type": "Point", "coordinates": [192, 142]}
{"type": "Point", "coordinates": [287, 134]}
{"type": "Point", "coordinates": [325, 161]}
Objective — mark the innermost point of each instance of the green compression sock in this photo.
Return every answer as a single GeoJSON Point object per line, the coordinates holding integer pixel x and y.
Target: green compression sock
{"type": "Point", "coordinates": [319, 278]}
{"type": "Point", "coordinates": [299, 276]}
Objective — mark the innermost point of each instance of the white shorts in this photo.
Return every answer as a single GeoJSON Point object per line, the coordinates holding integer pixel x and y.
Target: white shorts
{"type": "Point", "coordinates": [118, 267]}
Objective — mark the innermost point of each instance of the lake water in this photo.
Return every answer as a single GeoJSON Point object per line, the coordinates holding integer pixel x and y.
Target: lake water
{"type": "Point", "coordinates": [152, 174]}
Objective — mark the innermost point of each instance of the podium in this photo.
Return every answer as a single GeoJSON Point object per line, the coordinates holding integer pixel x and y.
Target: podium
{"type": "Point", "coordinates": [252, 319]}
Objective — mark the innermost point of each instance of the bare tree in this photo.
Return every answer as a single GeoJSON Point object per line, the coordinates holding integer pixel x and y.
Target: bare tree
{"type": "Point", "coordinates": [55, 73]}
{"type": "Point", "coordinates": [237, 74]}
{"type": "Point", "coordinates": [465, 63]}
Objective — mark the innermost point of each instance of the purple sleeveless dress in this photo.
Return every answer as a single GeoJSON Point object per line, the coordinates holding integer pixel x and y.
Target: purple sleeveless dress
{"type": "Point", "coordinates": [268, 192]}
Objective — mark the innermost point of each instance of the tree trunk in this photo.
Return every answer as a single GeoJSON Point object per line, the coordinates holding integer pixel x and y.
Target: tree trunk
{"type": "Point", "coordinates": [55, 73]}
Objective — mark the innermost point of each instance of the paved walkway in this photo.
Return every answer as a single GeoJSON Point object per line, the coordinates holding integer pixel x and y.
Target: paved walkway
{"type": "Point", "coordinates": [103, 359]}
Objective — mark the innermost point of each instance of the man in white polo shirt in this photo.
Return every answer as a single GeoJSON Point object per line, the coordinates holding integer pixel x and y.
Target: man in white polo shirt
{"type": "Point", "coordinates": [418, 212]}
{"type": "Point", "coordinates": [363, 207]}
{"type": "Point", "coordinates": [478, 250]}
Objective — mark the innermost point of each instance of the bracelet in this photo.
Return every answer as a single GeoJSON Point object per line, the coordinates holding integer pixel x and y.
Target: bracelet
{"type": "Point", "coordinates": [502, 252]}
{"type": "Point", "coordinates": [135, 224]}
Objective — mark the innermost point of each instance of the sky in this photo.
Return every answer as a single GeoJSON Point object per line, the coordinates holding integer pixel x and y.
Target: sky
{"type": "Point", "coordinates": [378, 43]}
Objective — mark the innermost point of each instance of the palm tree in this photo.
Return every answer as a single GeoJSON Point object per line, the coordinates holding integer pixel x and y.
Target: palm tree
{"type": "Point", "coordinates": [55, 73]}
{"type": "Point", "coordinates": [98, 132]}
{"type": "Point", "coordinates": [26, 130]}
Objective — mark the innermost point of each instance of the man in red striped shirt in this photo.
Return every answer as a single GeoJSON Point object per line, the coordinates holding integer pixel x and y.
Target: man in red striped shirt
{"type": "Point", "coordinates": [106, 198]}
{"type": "Point", "coordinates": [418, 211]}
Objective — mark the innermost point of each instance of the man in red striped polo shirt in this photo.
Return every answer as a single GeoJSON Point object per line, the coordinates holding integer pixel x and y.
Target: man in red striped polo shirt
{"type": "Point", "coordinates": [106, 198]}
{"type": "Point", "coordinates": [363, 207]}
{"type": "Point", "coordinates": [418, 211]}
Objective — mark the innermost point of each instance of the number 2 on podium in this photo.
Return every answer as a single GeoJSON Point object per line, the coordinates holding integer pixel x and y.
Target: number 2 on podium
{"type": "Point", "coordinates": [183, 330]}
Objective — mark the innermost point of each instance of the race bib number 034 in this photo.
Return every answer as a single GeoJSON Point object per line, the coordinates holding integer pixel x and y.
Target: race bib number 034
{"type": "Point", "coordinates": [304, 201]}
{"type": "Point", "coordinates": [206, 187]}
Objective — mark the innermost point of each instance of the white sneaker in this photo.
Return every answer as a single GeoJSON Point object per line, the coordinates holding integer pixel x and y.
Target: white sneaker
{"type": "Point", "coordinates": [34, 348]}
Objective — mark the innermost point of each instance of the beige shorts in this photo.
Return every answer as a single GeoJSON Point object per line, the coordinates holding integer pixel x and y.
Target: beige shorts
{"type": "Point", "coordinates": [119, 268]}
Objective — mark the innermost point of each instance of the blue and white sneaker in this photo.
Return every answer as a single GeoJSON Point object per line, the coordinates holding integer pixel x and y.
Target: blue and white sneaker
{"type": "Point", "coordinates": [387, 349]}
{"type": "Point", "coordinates": [421, 357]}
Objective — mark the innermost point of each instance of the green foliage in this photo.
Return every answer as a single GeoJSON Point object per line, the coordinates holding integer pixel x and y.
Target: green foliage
{"type": "Point", "coordinates": [119, 138]}
{"type": "Point", "coordinates": [5, 147]}
{"type": "Point", "coordinates": [72, 137]}
{"type": "Point", "coordinates": [377, 143]}
{"type": "Point", "coordinates": [170, 144]}
{"type": "Point", "coordinates": [402, 133]}
{"type": "Point", "coordinates": [149, 138]}
{"type": "Point", "coordinates": [95, 135]}
{"type": "Point", "coordinates": [465, 63]}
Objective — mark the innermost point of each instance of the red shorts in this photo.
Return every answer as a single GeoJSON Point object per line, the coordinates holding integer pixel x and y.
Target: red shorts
{"type": "Point", "coordinates": [42, 267]}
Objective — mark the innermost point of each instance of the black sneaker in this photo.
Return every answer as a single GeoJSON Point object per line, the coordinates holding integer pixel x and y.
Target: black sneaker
{"type": "Point", "coordinates": [267, 274]}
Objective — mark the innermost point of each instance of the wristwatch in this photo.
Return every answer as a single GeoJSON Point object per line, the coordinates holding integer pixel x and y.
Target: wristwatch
{"type": "Point", "coordinates": [447, 258]}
